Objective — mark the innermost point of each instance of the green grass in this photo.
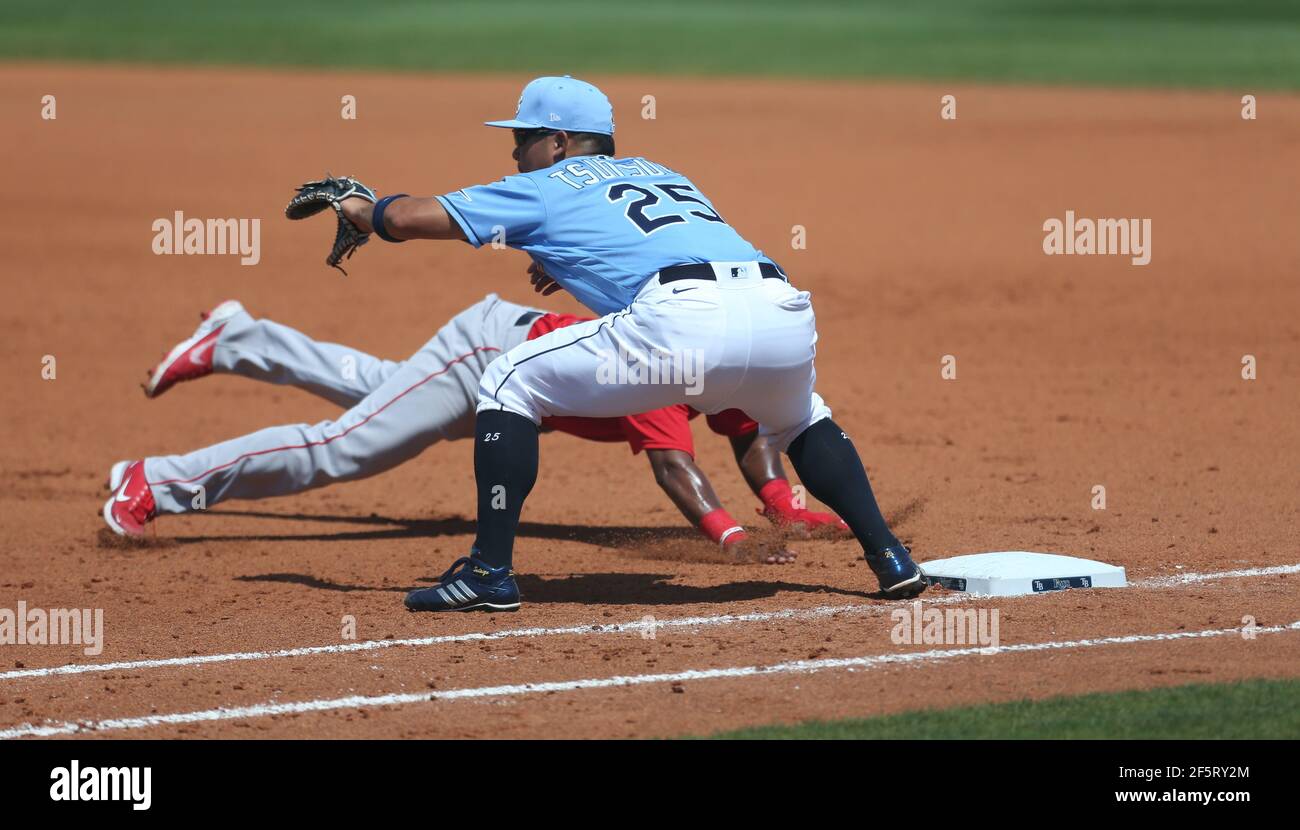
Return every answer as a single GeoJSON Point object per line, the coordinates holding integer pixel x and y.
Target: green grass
{"type": "Point", "coordinates": [1252, 709]}
{"type": "Point", "coordinates": [1240, 44]}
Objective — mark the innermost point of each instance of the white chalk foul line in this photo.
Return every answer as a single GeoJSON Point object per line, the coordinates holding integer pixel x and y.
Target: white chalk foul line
{"type": "Point", "coordinates": [608, 628]}
{"type": "Point", "coordinates": [1174, 580]}
{"type": "Point", "coordinates": [794, 667]}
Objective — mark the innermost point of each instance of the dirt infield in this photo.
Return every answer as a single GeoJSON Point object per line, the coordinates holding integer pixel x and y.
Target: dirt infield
{"type": "Point", "coordinates": [924, 239]}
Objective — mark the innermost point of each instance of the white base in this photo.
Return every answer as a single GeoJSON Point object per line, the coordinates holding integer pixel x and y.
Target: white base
{"type": "Point", "coordinates": [1011, 573]}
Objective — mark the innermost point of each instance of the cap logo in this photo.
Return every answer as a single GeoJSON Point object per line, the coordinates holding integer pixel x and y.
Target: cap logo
{"type": "Point", "coordinates": [555, 117]}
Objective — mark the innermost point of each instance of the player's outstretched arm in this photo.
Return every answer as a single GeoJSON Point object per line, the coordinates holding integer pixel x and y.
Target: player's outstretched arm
{"type": "Point", "coordinates": [410, 217]}
{"type": "Point", "coordinates": [688, 488]}
{"type": "Point", "coordinates": [760, 464]}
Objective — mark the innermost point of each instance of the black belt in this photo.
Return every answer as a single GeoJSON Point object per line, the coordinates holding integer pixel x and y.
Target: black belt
{"type": "Point", "coordinates": [703, 271]}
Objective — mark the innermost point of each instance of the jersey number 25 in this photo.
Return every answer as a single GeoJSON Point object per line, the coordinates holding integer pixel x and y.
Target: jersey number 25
{"type": "Point", "coordinates": [648, 198]}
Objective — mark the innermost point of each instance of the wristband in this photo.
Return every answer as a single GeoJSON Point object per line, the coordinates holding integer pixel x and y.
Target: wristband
{"type": "Point", "coordinates": [719, 526]}
{"type": "Point", "coordinates": [377, 217]}
{"type": "Point", "coordinates": [778, 498]}
{"type": "Point", "coordinates": [733, 534]}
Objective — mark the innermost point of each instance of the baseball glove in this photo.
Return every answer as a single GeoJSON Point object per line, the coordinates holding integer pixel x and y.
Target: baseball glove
{"type": "Point", "coordinates": [313, 197]}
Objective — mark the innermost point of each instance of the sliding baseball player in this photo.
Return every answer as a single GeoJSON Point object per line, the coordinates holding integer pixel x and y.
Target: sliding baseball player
{"type": "Point", "coordinates": [396, 410]}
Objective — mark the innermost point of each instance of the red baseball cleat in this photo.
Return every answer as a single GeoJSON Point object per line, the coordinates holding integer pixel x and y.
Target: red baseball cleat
{"type": "Point", "coordinates": [131, 506]}
{"type": "Point", "coordinates": [192, 358]}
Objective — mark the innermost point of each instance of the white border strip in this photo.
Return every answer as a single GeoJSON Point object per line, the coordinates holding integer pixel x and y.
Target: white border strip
{"type": "Point", "coordinates": [795, 667]}
{"type": "Point", "coordinates": [608, 628]}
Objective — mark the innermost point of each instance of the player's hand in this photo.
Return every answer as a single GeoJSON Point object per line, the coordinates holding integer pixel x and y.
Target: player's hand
{"type": "Point", "coordinates": [809, 524]}
{"type": "Point", "coordinates": [542, 283]}
{"type": "Point", "coordinates": [746, 548]}
{"type": "Point", "coordinates": [358, 211]}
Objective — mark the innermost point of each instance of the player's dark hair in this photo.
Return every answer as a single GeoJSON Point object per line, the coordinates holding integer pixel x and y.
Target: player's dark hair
{"type": "Point", "coordinates": [600, 145]}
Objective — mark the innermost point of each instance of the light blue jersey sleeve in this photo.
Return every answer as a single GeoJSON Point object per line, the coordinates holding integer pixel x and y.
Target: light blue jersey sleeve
{"type": "Point", "coordinates": [511, 210]}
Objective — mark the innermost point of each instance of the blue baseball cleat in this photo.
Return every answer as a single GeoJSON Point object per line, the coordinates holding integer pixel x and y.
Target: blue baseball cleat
{"type": "Point", "coordinates": [468, 585]}
{"type": "Point", "coordinates": [900, 577]}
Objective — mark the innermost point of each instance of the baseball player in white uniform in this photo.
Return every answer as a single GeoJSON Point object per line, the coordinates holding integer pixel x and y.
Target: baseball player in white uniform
{"type": "Point", "coordinates": [640, 244]}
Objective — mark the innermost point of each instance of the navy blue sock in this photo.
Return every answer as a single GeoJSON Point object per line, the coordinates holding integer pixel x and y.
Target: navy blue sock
{"type": "Point", "coordinates": [505, 469]}
{"type": "Point", "coordinates": [829, 466]}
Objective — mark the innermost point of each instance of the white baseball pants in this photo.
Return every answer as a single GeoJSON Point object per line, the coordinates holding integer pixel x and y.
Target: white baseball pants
{"type": "Point", "coordinates": [740, 341]}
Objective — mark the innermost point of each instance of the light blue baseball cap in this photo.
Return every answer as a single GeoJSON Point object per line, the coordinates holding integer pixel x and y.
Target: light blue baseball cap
{"type": "Point", "coordinates": [561, 104]}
